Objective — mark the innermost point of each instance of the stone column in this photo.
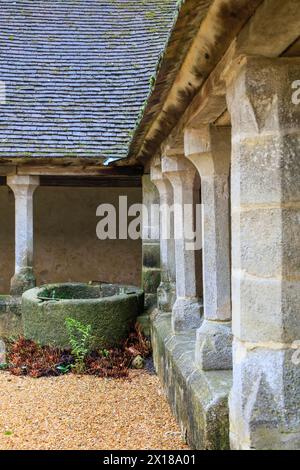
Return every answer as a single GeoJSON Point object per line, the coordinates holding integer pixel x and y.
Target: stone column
{"type": "Point", "coordinates": [23, 188]}
{"type": "Point", "coordinates": [265, 181]}
{"type": "Point", "coordinates": [187, 310]}
{"type": "Point", "coordinates": [151, 251]}
{"type": "Point", "coordinates": [166, 294]}
{"type": "Point", "coordinates": [209, 149]}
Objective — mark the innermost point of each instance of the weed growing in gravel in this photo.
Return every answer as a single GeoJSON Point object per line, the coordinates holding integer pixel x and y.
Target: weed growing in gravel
{"type": "Point", "coordinates": [80, 337]}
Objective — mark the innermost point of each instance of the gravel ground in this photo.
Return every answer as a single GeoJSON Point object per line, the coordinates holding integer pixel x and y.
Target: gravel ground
{"type": "Point", "coordinates": [72, 412]}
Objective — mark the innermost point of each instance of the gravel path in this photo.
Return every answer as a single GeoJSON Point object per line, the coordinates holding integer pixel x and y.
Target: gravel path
{"type": "Point", "coordinates": [72, 412]}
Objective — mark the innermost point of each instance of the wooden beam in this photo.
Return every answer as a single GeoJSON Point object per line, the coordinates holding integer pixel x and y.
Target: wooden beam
{"type": "Point", "coordinates": [293, 50]}
{"type": "Point", "coordinates": [91, 182]}
{"type": "Point", "coordinates": [87, 181]}
{"type": "Point", "coordinates": [91, 170]}
{"type": "Point", "coordinates": [224, 120]}
{"type": "Point", "coordinates": [7, 170]}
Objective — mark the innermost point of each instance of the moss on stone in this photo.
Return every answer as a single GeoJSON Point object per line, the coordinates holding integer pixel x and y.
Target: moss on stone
{"type": "Point", "coordinates": [111, 317]}
{"type": "Point", "coordinates": [69, 291]}
{"type": "Point", "coordinates": [151, 256]}
{"type": "Point", "coordinates": [144, 322]}
{"type": "Point", "coordinates": [22, 281]}
{"type": "Point", "coordinates": [10, 316]}
{"type": "Point", "coordinates": [150, 280]}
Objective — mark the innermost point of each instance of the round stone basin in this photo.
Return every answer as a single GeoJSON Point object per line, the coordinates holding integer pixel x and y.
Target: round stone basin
{"type": "Point", "coordinates": [111, 310]}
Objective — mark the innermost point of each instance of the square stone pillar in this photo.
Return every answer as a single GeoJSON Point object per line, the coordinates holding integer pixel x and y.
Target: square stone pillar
{"type": "Point", "coordinates": [265, 180]}
{"type": "Point", "coordinates": [151, 248]}
{"type": "Point", "coordinates": [23, 188]}
{"type": "Point", "coordinates": [166, 294]}
{"type": "Point", "coordinates": [209, 149]}
{"type": "Point", "coordinates": [187, 310]}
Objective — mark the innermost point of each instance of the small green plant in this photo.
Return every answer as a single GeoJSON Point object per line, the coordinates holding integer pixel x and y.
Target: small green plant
{"type": "Point", "coordinates": [4, 366]}
{"type": "Point", "coordinates": [64, 369]}
{"type": "Point", "coordinates": [104, 353]}
{"type": "Point", "coordinates": [80, 337]}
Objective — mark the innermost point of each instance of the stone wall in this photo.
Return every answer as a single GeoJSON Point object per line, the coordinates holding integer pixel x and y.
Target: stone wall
{"type": "Point", "coordinates": [66, 247]}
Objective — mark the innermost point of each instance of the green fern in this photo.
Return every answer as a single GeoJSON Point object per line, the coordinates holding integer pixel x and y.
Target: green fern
{"type": "Point", "coordinates": [80, 337]}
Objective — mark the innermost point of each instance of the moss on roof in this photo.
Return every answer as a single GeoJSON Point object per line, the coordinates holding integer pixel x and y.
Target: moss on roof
{"type": "Point", "coordinates": [77, 73]}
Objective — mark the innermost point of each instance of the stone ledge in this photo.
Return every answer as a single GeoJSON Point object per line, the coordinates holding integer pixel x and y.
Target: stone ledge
{"type": "Point", "coordinates": [199, 400]}
{"type": "Point", "coordinates": [10, 316]}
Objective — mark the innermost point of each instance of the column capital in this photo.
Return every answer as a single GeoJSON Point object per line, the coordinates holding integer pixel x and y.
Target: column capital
{"type": "Point", "coordinates": [20, 182]}
{"type": "Point", "coordinates": [162, 183]}
{"type": "Point", "coordinates": [258, 104]}
{"type": "Point", "coordinates": [179, 171]}
{"type": "Point", "coordinates": [173, 146]}
{"type": "Point", "coordinates": [209, 149]}
{"type": "Point", "coordinates": [156, 173]}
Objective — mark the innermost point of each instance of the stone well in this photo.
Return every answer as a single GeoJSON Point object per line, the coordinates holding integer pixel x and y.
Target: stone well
{"type": "Point", "coordinates": [110, 309]}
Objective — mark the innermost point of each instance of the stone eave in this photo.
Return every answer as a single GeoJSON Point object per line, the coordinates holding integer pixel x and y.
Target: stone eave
{"type": "Point", "coordinates": [203, 32]}
{"type": "Point", "coordinates": [263, 35]}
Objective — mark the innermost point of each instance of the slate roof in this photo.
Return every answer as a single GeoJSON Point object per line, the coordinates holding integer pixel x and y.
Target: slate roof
{"type": "Point", "coordinates": [77, 73]}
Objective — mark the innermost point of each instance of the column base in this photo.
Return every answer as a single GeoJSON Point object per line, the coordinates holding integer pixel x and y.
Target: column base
{"type": "Point", "coordinates": [22, 281]}
{"type": "Point", "coordinates": [264, 399]}
{"type": "Point", "coordinates": [214, 346]}
{"type": "Point", "coordinates": [166, 296]}
{"type": "Point", "coordinates": [186, 314]}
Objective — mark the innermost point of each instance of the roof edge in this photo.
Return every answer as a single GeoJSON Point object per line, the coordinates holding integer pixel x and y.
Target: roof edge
{"type": "Point", "coordinates": [199, 38]}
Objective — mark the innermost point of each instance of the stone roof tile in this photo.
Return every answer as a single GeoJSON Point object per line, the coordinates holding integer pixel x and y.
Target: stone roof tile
{"type": "Point", "coordinates": [77, 73]}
